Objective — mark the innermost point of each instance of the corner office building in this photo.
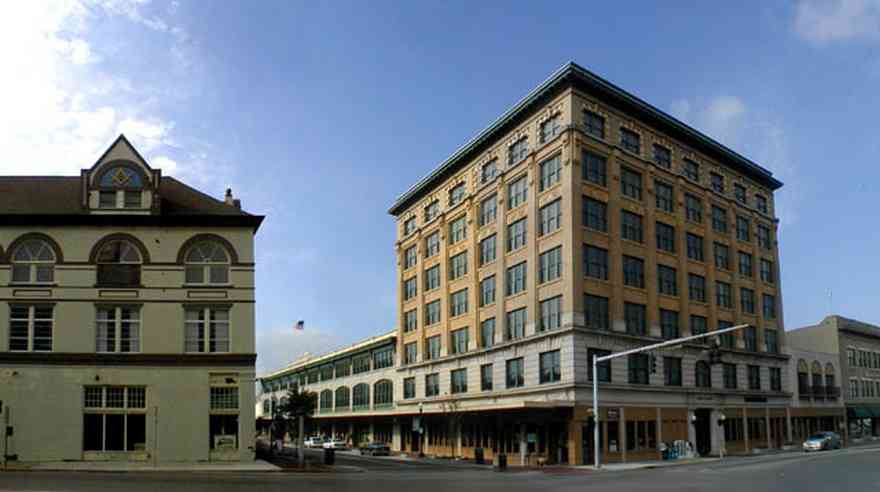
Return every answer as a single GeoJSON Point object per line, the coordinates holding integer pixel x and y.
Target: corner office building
{"type": "Point", "coordinates": [126, 317]}
{"type": "Point", "coordinates": [582, 221]}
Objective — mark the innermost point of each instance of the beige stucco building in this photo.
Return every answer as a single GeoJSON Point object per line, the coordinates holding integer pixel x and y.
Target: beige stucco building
{"type": "Point", "coordinates": [126, 317]}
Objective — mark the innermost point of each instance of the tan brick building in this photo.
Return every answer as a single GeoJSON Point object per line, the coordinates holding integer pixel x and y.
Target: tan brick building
{"type": "Point", "coordinates": [586, 219]}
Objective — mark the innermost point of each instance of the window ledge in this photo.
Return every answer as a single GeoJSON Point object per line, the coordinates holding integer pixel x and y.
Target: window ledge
{"type": "Point", "coordinates": [207, 286]}
{"type": "Point", "coordinates": [32, 284]}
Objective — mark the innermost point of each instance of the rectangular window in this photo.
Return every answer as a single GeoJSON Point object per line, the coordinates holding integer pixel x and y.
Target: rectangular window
{"type": "Point", "coordinates": [696, 287]}
{"type": "Point", "coordinates": [665, 237]}
{"type": "Point", "coordinates": [722, 256]}
{"type": "Point", "coordinates": [727, 340]}
{"type": "Point", "coordinates": [750, 337]}
{"type": "Point", "coordinates": [456, 195]}
{"type": "Point", "coordinates": [662, 156]}
{"type": "Point", "coordinates": [630, 140]}
{"type": "Point", "coordinates": [432, 211]}
{"type": "Point", "coordinates": [693, 208]}
{"type": "Point", "coordinates": [699, 325]}
{"type": "Point", "coordinates": [771, 341]}
{"type": "Point", "coordinates": [409, 388]}
{"type": "Point", "coordinates": [665, 196]}
{"type": "Point", "coordinates": [460, 340]}
{"type": "Point", "coordinates": [631, 226]}
{"type": "Point", "coordinates": [458, 378]}
{"type": "Point", "coordinates": [596, 312]}
{"type": "Point", "coordinates": [343, 367]}
{"type": "Point", "coordinates": [517, 192]}
{"type": "Point", "coordinates": [667, 280]}
{"type": "Point", "coordinates": [551, 314]}
{"type": "Point", "coordinates": [30, 328]}
{"type": "Point", "coordinates": [489, 171]}
{"type": "Point", "coordinates": [518, 151]}
{"type": "Point", "coordinates": [383, 357]}
{"type": "Point", "coordinates": [691, 170]}
{"type": "Point", "coordinates": [487, 332]}
{"type": "Point", "coordinates": [551, 217]}
{"type": "Point", "coordinates": [637, 368]}
{"type": "Point", "coordinates": [432, 278]}
{"type": "Point", "coordinates": [488, 250]}
{"type": "Point", "coordinates": [458, 303]}
{"type": "Point", "coordinates": [432, 347]}
{"type": "Point", "coordinates": [672, 371]}
{"type": "Point", "coordinates": [594, 124]}
{"type": "Point", "coordinates": [132, 199]}
{"type": "Point", "coordinates": [107, 199]}
{"type": "Point", "coordinates": [769, 303]}
{"type": "Point", "coordinates": [550, 172]}
{"type": "Point", "coordinates": [432, 384]}
{"type": "Point", "coordinates": [603, 368]}
{"type": "Point", "coordinates": [669, 324]}
{"type": "Point", "coordinates": [595, 168]}
{"type": "Point", "coordinates": [761, 203]}
{"type": "Point", "coordinates": [634, 317]}
{"type": "Point", "coordinates": [458, 266]}
{"type": "Point", "coordinates": [739, 192]}
{"type": "Point", "coordinates": [695, 247]}
{"type": "Point", "coordinates": [631, 183]}
{"type": "Point", "coordinates": [432, 244]}
{"type": "Point", "coordinates": [432, 313]}
{"type": "Point", "coordinates": [595, 262]}
{"type": "Point", "coordinates": [776, 379]}
{"type": "Point", "coordinates": [754, 378]}
{"type": "Point", "coordinates": [550, 265]}
{"type": "Point", "coordinates": [359, 364]}
{"type": "Point", "coordinates": [123, 428]}
{"type": "Point", "coordinates": [595, 214]}
{"type": "Point", "coordinates": [764, 237]}
{"type": "Point", "coordinates": [411, 320]}
{"type": "Point", "coordinates": [550, 128]}
{"type": "Point", "coordinates": [633, 272]}
{"type": "Point", "coordinates": [118, 329]}
{"type": "Point", "coordinates": [207, 330]}
{"type": "Point", "coordinates": [409, 258]}
{"type": "Point", "coordinates": [486, 377]}
{"type": "Point", "coordinates": [723, 295]}
{"type": "Point", "coordinates": [410, 353]}
{"type": "Point", "coordinates": [409, 288]}
{"type": "Point", "coordinates": [458, 230]}
{"type": "Point", "coordinates": [516, 279]}
{"type": "Point", "coordinates": [729, 375]}
{"type": "Point", "coordinates": [549, 367]}
{"type": "Point", "coordinates": [487, 291]}
{"type": "Point", "coordinates": [409, 226]}
{"type": "Point", "coordinates": [515, 377]}
{"type": "Point", "coordinates": [717, 182]}
{"type": "Point", "coordinates": [488, 210]}
{"type": "Point", "coordinates": [516, 324]}
{"type": "Point", "coordinates": [719, 219]}
{"type": "Point", "coordinates": [745, 264]}
{"type": "Point", "coordinates": [747, 300]}
{"type": "Point", "coordinates": [743, 228]}
{"type": "Point", "coordinates": [516, 235]}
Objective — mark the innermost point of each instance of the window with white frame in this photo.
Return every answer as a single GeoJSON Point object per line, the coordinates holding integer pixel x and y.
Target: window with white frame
{"type": "Point", "coordinates": [518, 151]}
{"type": "Point", "coordinates": [550, 172]}
{"type": "Point", "coordinates": [223, 419]}
{"type": "Point", "coordinates": [207, 329]}
{"type": "Point", "coordinates": [207, 262]}
{"type": "Point", "coordinates": [31, 327]}
{"type": "Point", "coordinates": [33, 261]}
{"type": "Point", "coordinates": [114, 418]}
{"type": "Point", "coordinates": [118, 329]}
{"type": "Point", "coordinates": [550, 128]}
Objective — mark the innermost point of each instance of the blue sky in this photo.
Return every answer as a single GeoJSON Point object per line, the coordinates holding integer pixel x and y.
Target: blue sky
{"type": "Point", "coordinates": [318, 114]}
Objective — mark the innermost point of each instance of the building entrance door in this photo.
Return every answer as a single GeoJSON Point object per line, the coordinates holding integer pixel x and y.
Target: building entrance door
{"type": "Point", "coordinates": [703, 431]}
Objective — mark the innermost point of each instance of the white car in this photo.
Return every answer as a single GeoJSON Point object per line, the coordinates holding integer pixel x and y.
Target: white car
{"type": "Point", "coordinates": [335, 444]}
{"type": "Point", "coordinates": [314, 442]}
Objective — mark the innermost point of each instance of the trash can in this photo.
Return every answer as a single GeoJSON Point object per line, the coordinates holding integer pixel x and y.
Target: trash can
{"type": "Point", "coordinates": [329, 456]}
{"type": "Point", "coordinates": [501, 462]}
{"type": "Point", "coordinates": [478, 456]}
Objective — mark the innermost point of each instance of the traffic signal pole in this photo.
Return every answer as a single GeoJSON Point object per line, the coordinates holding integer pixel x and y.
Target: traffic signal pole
{"type": "Point", "coordinates": [646, 348]}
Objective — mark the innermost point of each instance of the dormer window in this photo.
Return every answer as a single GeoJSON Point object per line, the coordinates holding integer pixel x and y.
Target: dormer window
{"type": "Point", "coordinates": [120, 187]}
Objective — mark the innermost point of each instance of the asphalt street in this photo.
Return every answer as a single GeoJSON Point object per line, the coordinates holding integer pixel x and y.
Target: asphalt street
{"type": "Point", "coordinates": [853, 469]}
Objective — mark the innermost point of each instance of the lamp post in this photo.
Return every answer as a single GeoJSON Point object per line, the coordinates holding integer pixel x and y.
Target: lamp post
{"type": "Point", "coordinates": [721, 446]}
{"type": "Point", "coordinates": [421, 433]}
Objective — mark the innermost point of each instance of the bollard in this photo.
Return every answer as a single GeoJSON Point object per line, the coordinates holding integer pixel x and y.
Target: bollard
{"type": "Point", "coordinates": [501, 462]}
{"type": "Point", "coordinates": [329, 456]}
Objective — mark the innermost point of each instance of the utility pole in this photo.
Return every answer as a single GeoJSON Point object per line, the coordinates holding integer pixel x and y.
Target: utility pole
{"type": "Point", "coordinates": [654, 346]}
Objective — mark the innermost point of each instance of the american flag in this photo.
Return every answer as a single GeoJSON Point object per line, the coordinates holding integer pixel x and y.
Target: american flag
{"type": "Point", "coordinates": [300, 325]}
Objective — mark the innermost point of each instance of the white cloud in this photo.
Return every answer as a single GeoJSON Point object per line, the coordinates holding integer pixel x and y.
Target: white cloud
{"type": "Point", "coordinates": [278, 347]}
{"type": "Point", "coordinates": [826, 21]}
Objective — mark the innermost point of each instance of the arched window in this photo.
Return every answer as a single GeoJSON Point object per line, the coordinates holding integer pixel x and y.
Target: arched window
{"type": "Point", "coordinates": [703, 375]}
{"type": "Point", "coordinates": [829, 375]}
{"type": "Point", "coordinates": [33, 261]}
{"type": "Point", "coordinates": [817, 374]}
{"type": "Point", "coordinates": [119, 264]}
{"type": "Point", "coordinates": [207, 262]}
{"type": "Point", "coordinates": [326, 403]}
{"type": "Point", "coordinates": [383, 394]}
{"type": "Point", "coordinates": [343, 398]}
{"type": "Point", "coordinates": [361, 396]}
{"type": "Point", "coordinates": [803, 378]}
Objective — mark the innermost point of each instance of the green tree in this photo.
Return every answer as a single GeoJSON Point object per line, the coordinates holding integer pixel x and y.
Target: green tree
{"type": "Point", "coordinates": [296, 405]}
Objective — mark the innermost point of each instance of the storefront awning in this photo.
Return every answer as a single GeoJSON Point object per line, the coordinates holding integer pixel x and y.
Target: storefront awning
{"type": "Point", "coordinates": [862, 412]}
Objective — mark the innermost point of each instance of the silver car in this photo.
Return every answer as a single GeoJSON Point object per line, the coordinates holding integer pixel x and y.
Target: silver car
{"type": "Point", "coordinates": [822, 441]}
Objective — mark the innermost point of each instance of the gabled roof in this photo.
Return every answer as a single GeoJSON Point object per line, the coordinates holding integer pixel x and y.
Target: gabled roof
{"type": "Point", "coordinates": [572, 74]}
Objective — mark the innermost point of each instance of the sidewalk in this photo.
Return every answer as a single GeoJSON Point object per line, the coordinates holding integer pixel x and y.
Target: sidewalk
{"type": "Point", "coordinates": [127, 466]}
{"type": "Point", "coordinates": [642, 465]}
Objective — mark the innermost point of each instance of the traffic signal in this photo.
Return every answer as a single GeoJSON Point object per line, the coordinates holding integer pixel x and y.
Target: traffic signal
{"type": "Point", "coordinates": [714, 356]}
{"type": "Point", "coordinates": [653, 360]}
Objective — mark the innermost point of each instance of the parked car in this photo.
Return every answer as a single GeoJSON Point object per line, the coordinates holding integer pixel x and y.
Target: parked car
{"type": "Point", "coordinates": [822, 441]}
{"type": "Point", "coordinates": [376, 449]}
{"type": "Point", "coordinates": [314, 442]}
{"type": "Point", "coordinates": [335, 443]}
